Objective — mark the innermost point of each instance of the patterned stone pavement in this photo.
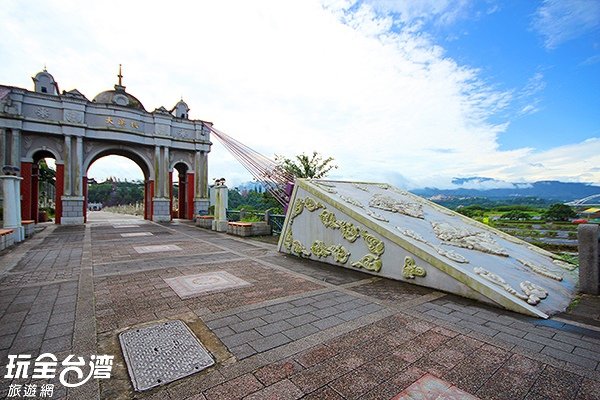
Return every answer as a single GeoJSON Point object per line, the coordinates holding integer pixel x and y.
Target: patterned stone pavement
{"type": "Point", "coordinates": [300, 329]}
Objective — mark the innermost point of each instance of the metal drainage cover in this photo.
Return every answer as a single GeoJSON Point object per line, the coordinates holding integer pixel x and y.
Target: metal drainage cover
{"type": "Point", "coordinates": [162, 353]}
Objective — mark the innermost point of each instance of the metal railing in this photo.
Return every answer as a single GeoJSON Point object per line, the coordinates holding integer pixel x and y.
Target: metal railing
{"type": "Point", "coordinates": [275, 220]}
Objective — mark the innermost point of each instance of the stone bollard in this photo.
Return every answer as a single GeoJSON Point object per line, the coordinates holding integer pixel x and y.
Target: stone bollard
{"type": "Point", "coordinates": [219, 224]}
{"type": "Point", "coordinates": [588, 236]}
{"type": "Point", "coordinates": [11, 205]}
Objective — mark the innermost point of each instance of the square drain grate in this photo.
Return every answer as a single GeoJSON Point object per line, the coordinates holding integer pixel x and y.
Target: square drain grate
{"type": "Point", "coordinates": [193, 285]}
{"type": "Point", "coordinates": [136, 234]}
{"type": "Point", "coordinates": [157, 248]}
{"type": "Point", "coordinates": [162, 353]}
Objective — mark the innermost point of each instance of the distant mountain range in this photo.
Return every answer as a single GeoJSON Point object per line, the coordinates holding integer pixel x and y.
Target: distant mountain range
{"type": "Point", "coordinates": [494, 189]}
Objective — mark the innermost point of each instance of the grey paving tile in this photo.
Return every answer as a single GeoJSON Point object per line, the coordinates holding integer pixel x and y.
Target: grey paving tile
{"type": "Point", "coordinates": [242, 351]}
{"type": "Point", "coordinates": [269, 342]}
{"type": "Point", "coordinates": [302, 319]}
{"type": "Point", "coordinates": [223, 331]}
{"type": "Point", "coordinates": [301, 331]}
{"type": "Point", "coordinates": [594, 355]}
{"type": "Point", "coordinates": [441, 315]}
{"type": "Point", "coordinates": [240, 338]}
{"type": "Point", "coordinates": [506, 329]}
{"type": "Point", "coordinates": [250, 314]}
{"type": "Point", "coordinates": [328, 322]}
{"type": "Point", "coordinates": [32, 329]}
{"type": "Point", "coordinates": [247, 325]}
{"type": "Point", "coordinates": [305, 309]}
{"type": "Point", "coordinates": [33, 318]}
{"type": "Point", "coordinates": [477, 327]}
{"type": "Point", "coordinates": [325, 303]}
{"type": "Point", "coordinates": [550, 342]}
{"type": "Point", "coordinates": [519, 342]}
{"type": "Point", "coordinates": [350, 314]}
{"type": "Point", "coordinates": [278, 316]}
{"type": "Point", "coordinates": [61, 318]}
{"type": "Point", "coordinates": [570, 357]}
{"type": "Point", "coordinates": [303, 301]}
{"type": "Point", "coordinates": [275, 327]}
{"type": "Point", "coordinates": [574, 341]}
{"type": "Point", "coordinates": [280, 307]}
{"type": "Point", "coordinates": [221, 322]}
{"type": "Point", "coordinates": [55, 331]}
{"type": "Point", "coordinates": [326, 312]}
{"type": "Point", "coordinates": [6, 341]}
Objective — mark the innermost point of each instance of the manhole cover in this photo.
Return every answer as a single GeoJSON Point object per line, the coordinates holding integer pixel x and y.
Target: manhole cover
{"type": "Point", "coordinates": [157, 248]}
{"type": "Point", "coordinates": [191, 285]}
{"type": "Point", "coordinates": [162, 353]}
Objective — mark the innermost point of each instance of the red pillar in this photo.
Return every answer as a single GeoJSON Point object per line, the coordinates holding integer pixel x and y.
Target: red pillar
{"type": "Point", "coordinates": [145, 199]}
{"type": "Point", "coordinates": [35, 188]}
{"type": "Point", "coordinates": [150, 197]}
{"type": "Point", "coordinates": [85, 199]}
{"type": "Point", "coordinates": [190, 196]}
{"type": "Point", "coordinates": [26, 174]}
{"type": "Point", "coordinates": [181, 197]}
{"type": "Point", "coordinates": [60, 188]}
{"type": "Point", "coordinates": [171, 195]}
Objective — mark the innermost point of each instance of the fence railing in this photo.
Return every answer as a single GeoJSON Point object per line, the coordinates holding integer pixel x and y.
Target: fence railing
{"type": "Point", "coordinates": [275, 220]}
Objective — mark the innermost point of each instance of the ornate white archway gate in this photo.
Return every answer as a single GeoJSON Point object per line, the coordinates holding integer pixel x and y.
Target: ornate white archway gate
{"type": "Point", "coordinates": [76, 131]}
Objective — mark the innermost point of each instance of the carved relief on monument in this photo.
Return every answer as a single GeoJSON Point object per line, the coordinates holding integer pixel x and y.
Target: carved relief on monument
{"type": "Point", "coordinates": [42, 113]}
{"type": "Point", "coordinates": [377, 216]}
{"type": "Point", "coordinates": [352, 201]}
{"type": "Point", "coordinates": [538, 269]}
{"type": "Point", "coordinates": [74, 116]}
{"type": "Point", "coordinates": [467, 238]}
{"type": "Point", "coordinates": [27, 142]}
{"type": "Point", "coordinates": [387, 203]}
{"type": "Point", "coordinates": [533, 293]}
{"type": "Point", "coordinates": [369, 262]}
{"type": "Point", "coordinates": [361, 187]}
{"type": "Point", "coordinates": [411, 270]}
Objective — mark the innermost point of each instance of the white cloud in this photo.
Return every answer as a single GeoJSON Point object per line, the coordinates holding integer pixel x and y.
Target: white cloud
{"type": "Point", "coordinates": [442, 12]}
{"type": "Point", "coordinates": [559, 21]}
{"type": "Point", "coordinates": [387, 104]}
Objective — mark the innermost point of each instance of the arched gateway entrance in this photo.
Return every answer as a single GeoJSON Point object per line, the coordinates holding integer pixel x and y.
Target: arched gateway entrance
{"type": "Point", "coordinates": [75, 132]}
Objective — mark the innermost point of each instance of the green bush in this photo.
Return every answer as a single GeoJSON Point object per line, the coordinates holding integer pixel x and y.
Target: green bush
{"type": "Point", "coordinates": [252, 218]}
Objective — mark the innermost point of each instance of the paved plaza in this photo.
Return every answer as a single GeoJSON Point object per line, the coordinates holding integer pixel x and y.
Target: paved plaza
{"type": "Point", "coordinates": [278, 327]}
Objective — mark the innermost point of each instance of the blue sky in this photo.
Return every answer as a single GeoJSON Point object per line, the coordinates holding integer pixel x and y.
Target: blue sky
{"type": "Point", "coordinates": [415, 93]}
{"type": "Point", "coordinates": [554, 71]}
{"type": "Point", "coordinates": [546, 54]}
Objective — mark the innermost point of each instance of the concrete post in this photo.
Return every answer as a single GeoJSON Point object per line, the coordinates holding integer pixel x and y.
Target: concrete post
{"type": "Point", "coordinates": [166, 181]}
{"type": "Point", "coordinates": [588, 236]}
{"type": "Point", "coordinates": [11, 186]}
{"type": "Point", "coordinates": [68, 167]}
{"type": "Point", "coordinates": [221, 199]}
{"type": "Point", "coordinates": [78, 168]}
{"type": "Point", "coordinates": [201, 201]}
{"type": "Point", "coordinates": [15, 154]}
{"type": "Point", "coordinates": [158, 173]}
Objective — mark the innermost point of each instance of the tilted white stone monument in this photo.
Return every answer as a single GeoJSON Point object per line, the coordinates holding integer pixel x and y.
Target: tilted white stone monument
{"type": "Point", "coordinates": [389, 232]}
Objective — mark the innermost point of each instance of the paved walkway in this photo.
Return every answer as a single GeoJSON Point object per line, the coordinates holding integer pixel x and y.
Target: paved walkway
{"type": "Point", "coordinates": [300, 329]}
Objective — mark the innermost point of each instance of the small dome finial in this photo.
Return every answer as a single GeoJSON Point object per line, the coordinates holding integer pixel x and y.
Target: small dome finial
{"type": "Point", "coordinates": [120, 76]}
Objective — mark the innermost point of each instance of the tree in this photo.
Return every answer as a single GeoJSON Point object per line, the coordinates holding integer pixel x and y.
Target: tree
{"type": "Point", "coordinates": [515, 215]}
{"type": "Point", "coordinates": [46, 174]}
{"type": "Point", "coordinates": [560, 212]}
{"type": "Point", "coordinates": [303, 166]}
